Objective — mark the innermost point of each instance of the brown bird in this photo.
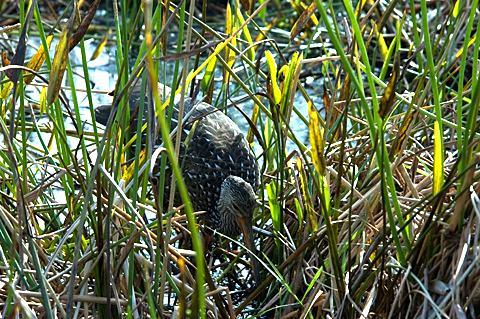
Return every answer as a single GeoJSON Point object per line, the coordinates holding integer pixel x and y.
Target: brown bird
{"type": "Point", "coordinates": [218, 167]}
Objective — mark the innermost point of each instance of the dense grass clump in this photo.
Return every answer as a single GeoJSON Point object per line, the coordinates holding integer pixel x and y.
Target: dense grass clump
{"type": "Point", "coordinates": [376, 215]}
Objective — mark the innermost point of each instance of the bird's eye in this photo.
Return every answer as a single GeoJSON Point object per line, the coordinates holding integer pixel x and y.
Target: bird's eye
{"type": "Point", "coordinates": [235, 206]}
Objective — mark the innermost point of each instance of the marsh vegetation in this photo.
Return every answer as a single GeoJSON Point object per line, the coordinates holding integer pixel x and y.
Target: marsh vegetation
{"type": "Point", "coordinates": [371, 191]}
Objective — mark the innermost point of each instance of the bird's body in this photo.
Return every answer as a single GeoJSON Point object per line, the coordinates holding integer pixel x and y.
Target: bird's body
{"type": "Point", "coordinates": [219, 169]}
{"type": "Point", "coordinates": [216, 150]}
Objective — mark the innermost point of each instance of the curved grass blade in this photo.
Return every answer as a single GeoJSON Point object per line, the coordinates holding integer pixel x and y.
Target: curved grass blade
{"type": "Point", "coordinates": [60, 61]}
{"type": "Point", "coordinates": [277, 94]}
{"type": "Point", "coordinates": [18, 59]}
{"type": "Point", "coordinates": [19, 56]}
{"type": "Point", "coordinates": [388, 97]}
{"type": "Point", "coordinates": [299, 26]}
{"type": "Point", "coordinates": [438, 177]}
{"type": "Point", "coordinates": [83, 27]}
{"type": "Point", "coordinates": [37, 61]}
{"type": "Point", "coordinates": [100, 46]}
{"type": "Point", "coordinates": [316, 140]}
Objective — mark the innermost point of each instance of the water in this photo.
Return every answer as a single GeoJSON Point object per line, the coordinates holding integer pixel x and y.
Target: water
{"type": "Point", "coordinates": [103, 75]}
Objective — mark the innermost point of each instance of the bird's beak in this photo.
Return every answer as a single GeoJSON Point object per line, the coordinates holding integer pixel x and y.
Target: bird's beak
{"type": "Point", "coordinates": [246, 227]}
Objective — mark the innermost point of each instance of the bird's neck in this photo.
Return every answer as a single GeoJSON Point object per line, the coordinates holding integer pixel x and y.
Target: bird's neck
{"type": "Point", "coordinates": [227, 221]}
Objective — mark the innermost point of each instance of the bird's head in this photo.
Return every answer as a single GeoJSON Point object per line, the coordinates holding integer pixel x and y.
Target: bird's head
{"type": "Point", "coordinates": [237, 201]}
{"type": "Point", "coordinates": [236, 205]}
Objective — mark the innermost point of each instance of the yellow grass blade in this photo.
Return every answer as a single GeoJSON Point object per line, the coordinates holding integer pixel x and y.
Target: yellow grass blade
{"type": "Point", "coordinates": [277, 95]}
{"type": "Point", "coordinates": [437, 160]}
{"type": "Point", "coordinates": [100, 46]}
{"type": "Point", "coordinates": [316, 139]}
{"type": "Point", "coordinates": [246, 32]}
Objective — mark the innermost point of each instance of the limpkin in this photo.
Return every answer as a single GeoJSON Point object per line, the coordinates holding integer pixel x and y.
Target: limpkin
{"type": "Point", "coordinates": [219, 169]}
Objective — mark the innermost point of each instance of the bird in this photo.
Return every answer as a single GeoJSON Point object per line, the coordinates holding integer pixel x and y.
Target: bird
{"type": "Point", "coordinates": [219, 169]}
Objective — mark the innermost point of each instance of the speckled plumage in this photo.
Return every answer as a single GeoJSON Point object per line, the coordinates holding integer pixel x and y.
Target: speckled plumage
{"type": "Point", "coordinates": [216, 150]}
